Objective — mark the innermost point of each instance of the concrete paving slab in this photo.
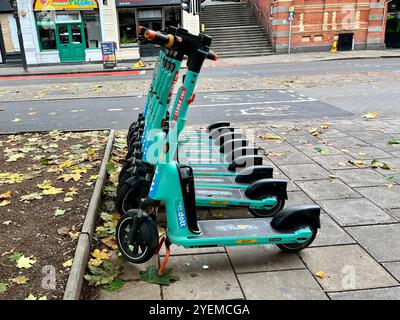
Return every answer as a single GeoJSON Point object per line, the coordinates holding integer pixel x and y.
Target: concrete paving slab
{"type": "Point", "coordinates": [385, 146]}
{"type": "Point", "coordinates": [345, 142]}
{"type": "Point", "coordinates": [330, 233]}
{"type": "Point", "coordinates": [393, 268]}
{"type": "Point", "coordinates": [130, 271]}
{"type": "Point", "coordinates": [179, 251]}
{"type": "Point", "coordinates": [133, 290]}
{"type": "Point", "coordinates": [197, 282]}
{"type": "Point", "coordinates": [332, 133]}
{"type": "Point", "coordinates": [327, 189]}
{"type": "Point", "coordinates": [298, 140]}
{"type": "Point", "coordinates": [298, 197]}
{"type": "Point", "coordinates": [392, 293]}
{"type": "Point", "coordinates": [348, 126]}
{"type": "Point", "coordinates": [346, 267]}
{"type": "Point", "coordinates": [281, 158]}
{"type": "Point", "coordinates": [281, 285]}
{"type": "Point", "coordinates": [272, 146]}
{"type": "Point", "coordinates": [368, 153]}
{"type": "Point", "coordinates": [299, 172]}
{"type": "Point", "coordinates": [312, 150]}
{"type": "Point", "coordinates": [381, 241]}
{"type": "Point", "coordinates": [394, 213]}
{"type": "Point", "coordinates": [360, 177]}
{"type": "Point", "coordinates": [349, 212]}
{"type": "Point", "coordinates": [330, 162]}
{"type": "Point", "coordinates": [382, 196]}
{"type": "Point", "coordinates": [262, 258]}
{"type": "Point", "coordinates": [371, 136]}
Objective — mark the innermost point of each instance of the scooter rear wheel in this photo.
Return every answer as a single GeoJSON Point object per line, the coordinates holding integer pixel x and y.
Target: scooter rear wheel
{"type": "Point", "coordinates": [264, 213]}
{"type": "Point", "coordinates": [146, 240]}
{"type": "Point", "coordinates": [295, 247]}
{"type": "Point", "coordinates": [128, 196]}
{"type": "Point", "coordinates": [131, 131]}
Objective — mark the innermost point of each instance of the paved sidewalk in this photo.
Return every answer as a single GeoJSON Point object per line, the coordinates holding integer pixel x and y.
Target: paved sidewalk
{"type": "Point", "coordinates": [279, 58]}
{"type": "Point", "coordinates": [356, 253]}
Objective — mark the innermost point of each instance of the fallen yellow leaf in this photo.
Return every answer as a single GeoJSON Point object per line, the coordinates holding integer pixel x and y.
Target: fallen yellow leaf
{"type": "Point", "coordinates": [320, 274]}
{"type": "Point", "coordinates": [20, 280]}
{"type": "Point", "coordinates": [68, 263]}
{"type": "Point", "coordinates": [370, 115]}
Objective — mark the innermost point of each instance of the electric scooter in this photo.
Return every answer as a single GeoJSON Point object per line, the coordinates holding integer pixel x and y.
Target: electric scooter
{"type": "Point", "coordinates": [291, 229]}
{"type": "Point", "coordinates": [263, 197]}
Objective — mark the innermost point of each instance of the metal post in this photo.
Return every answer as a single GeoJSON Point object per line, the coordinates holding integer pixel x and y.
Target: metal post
{"type": "Point", "coordinates": [14, 4]}
{"type": "Point", "coordinates": [290, 36]}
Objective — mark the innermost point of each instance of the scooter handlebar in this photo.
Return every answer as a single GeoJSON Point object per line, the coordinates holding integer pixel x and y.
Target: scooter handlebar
{"type": "Point", "coordinates": [156, 37]}
{"type": "Point", "coordinates": [211, 55]}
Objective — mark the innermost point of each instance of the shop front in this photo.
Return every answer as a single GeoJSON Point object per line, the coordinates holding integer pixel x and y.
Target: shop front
{"type": "Point", "coordinates": [72, 27]}
{"type": "Point", "coordinates": [153, 14]}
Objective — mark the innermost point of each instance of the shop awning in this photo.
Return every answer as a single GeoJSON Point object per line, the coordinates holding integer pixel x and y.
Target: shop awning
{"type": "Point", "coordinates": [146, 3]}
{"type": "Point", "coordinates": [65, 5]}
{"type": "Point", "coordinates": [5, 6]}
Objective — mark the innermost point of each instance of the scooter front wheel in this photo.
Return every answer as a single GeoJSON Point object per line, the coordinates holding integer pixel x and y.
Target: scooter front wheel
{"type": "Point", "coordinates": [266, 213]}
{"type": "Point", "coordinates": [128, 196]}
{"type": "Point", "coordinates": [143, 247]}
{"type": "Point", "coordinates": [295, 247]}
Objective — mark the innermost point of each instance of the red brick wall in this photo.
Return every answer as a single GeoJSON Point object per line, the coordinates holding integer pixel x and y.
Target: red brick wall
{"type": "Point", "coordinates": [317, 23]}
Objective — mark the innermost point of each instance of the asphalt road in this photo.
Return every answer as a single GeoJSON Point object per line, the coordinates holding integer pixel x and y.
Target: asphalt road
{"type": "Point", "coordinates": [324, 101]}
{"type": "Point", "coordinates": [253, 105]}
{"type": "Point", "coordinates": [246, 71]}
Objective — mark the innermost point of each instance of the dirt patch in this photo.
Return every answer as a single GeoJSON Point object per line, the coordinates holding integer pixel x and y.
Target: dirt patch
{"type": "Point", "coordinates": [46, 182]}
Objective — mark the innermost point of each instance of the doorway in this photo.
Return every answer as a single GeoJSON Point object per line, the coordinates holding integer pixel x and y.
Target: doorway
{"type": "Point", "coordinates": [71, 42]}
{"type": "Point", "coordinates": [345, 42]}
{"type": "Point", "coordinates": [152, 19]}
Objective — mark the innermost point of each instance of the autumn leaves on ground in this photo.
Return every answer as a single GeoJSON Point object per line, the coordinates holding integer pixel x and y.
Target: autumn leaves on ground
{"type": "Point", "coordinates": [46, 182]}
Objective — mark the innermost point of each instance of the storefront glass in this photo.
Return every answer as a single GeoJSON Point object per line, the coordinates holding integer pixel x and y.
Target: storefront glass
{"type": "Point", "coordinates": [68, 26]}
{"type": "Point", "coordinates": [127, 26]}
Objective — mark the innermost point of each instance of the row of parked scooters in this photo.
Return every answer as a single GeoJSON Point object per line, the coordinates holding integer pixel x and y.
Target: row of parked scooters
{"type": "Point", "coordinates": [185, 169]}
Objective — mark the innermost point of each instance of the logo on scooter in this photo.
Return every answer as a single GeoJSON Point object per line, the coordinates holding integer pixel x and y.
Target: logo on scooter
{"type": "Point", "coordinates": [181, 215]}
{"type": "Point", "coordinates": [178, 107]}
{"type": "Point", "coordinates": [172, 87]}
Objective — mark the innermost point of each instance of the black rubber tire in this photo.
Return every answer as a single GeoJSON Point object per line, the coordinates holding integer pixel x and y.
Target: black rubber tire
{"type": "Point", "coordinates": [296, 247]}
{"type": "Point", "coordinates": [147, 228]}
{"type": "Point", "coordinates": [123, 174]}
{"type": "Point", "coordinates": [260, 213]}
{"type": "Point", "coordinates": [128, 197]}
{"type": "Point", "coordinates": [131, 131]}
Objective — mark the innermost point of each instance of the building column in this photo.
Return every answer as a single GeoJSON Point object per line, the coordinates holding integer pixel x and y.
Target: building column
{"type": "Point", "coordinates": [280, 24]}
{"type": "Point", "coordinates": [190, 22]}
{"type": "Point", "coordinates": [376, 25]}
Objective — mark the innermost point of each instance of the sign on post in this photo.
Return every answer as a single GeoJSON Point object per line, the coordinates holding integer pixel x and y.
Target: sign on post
{"type": "Point", "coordinates": [109, 56]}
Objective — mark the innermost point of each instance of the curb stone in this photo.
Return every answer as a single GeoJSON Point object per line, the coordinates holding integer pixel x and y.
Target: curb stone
{"type": "Point", "coordinates": [75, 279]}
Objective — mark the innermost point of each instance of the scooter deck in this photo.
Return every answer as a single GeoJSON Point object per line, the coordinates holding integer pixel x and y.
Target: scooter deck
{"type": "Point", "coordinates": [234, 232]}
{"type": "Point", "coordinates": [220, 193]}
{"type": "Point", "coordinates": [236, 228]}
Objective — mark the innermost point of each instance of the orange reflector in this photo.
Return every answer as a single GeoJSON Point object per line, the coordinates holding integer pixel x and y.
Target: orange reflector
{"type": "Point", "coordinates": [150, 34]}
{"type": "Point", "coordinates": [219, 202]}
{"type": "Point", "coordinates": [215, 56]}
{"type": "Point", "coordinates": [246, 241]}
{"type": "Point", "coordinates": [191, 99]}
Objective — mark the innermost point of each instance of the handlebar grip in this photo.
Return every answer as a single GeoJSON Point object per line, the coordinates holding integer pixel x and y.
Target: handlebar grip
{"type": "Point", "coordinates": [212, 55]}
{"type": "Point", "coordinates": [157, 37]}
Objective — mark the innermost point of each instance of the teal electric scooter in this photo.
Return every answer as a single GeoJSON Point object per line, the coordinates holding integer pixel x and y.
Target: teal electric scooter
{"type": "Point", "coordinates": [262, 197]}
{"type": "Point", "coordinates": [291, 229]}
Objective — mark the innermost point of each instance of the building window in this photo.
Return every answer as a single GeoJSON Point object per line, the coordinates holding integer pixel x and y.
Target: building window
{"type": "Point", "coordinates": [46, 30]}
{"type": "Point", "coordinates": [91, 21]}
{"type": "Point", "coordinates": [127, 27]}
{"type": "Point", "coordinates": [173, 16]}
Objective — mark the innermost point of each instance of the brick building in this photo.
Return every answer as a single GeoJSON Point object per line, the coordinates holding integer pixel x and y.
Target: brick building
{"type": "Point", "coordinates": [354, 24]}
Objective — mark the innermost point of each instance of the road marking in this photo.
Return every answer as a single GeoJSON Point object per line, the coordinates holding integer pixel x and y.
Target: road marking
{"type": "Point", "coordinates": [74, 75]}
{"type": "Point", "coordinates": [249, 103]}
{"type": "Point", "coordinates": [116, 109]}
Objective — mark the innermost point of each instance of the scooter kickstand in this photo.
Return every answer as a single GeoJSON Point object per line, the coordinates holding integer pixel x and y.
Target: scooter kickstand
{"type": "Point", "coordinates": [167, 254]}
